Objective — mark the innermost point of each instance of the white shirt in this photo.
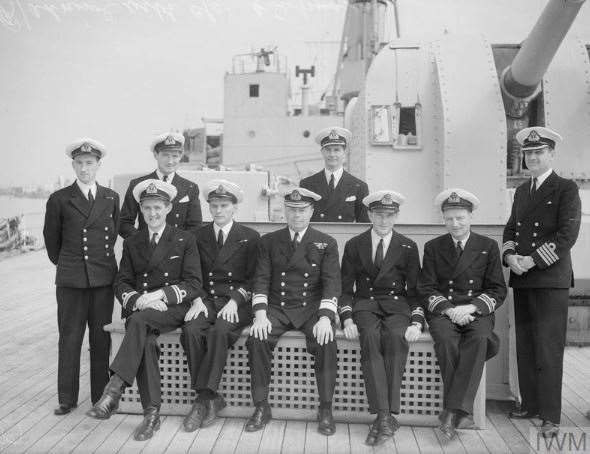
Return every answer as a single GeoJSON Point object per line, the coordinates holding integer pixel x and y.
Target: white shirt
{"type": "Point", "coordinates": [301, 234]}
{"type": "Point", "coordinates": [541, 178]}
{"type": "Point", "coordinates": [169, 178]}
{"type": "Point", "coordinates": [463, 242]}
{"type": "Point", "coordinates": [375, 241]}
{"type": "Point", "coordinates": [226, 229]}
{"type": "Point", "coordinates": [159, 232]}
{"type": "Point", "coordinates": [87, 187]}
{"type": "Point", "coordinates": [337, 175]}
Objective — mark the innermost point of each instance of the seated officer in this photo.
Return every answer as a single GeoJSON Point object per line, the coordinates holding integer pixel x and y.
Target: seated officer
{"type": "Point", "coordinates": [185, 214]}
{"type": "Point", "coordinates": [380, 270]}
{"type": "Point", "coordinates": [462, 285]}
{"type": "Point", "coordinates": [214, 323]}
{"type": "Point", "coordinates": [341, 193]}
{"type": "Point", "coordinates": [296, 286]}
{"type": "Point", "coordinates": [160, 273]}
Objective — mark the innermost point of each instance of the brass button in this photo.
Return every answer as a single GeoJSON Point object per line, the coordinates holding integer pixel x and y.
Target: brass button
{"type": "Point", "coordinates": [231, 287]}
{"type": "Point", "coordinates": [305, 275]}
{"type": "Point", "coordinates": [211, 282]}
{"type": "Point", "coordinates": [339, 217]}
{"type": "Point", "coordinates": [395, 297]}
{"type": "Point", "coordinates": [166, 284]}
{"type": "Point", "coordinates": [518, 224]}
{"type": "Point", "coordinates": [282, 293]}
{"type": "Point", "coordinates": [145, 284]}
{"type": "Point", "coordinates": [533, 244]}
{"type": "Point", "coordinates": [175, 225]}
{"type": "Point", "coordinates": [282, 284]}
{"type": "Point", "coordinates": [283, 273]}
{"type": "Point", "coordinates": [85, 257]}
{"type": "Point", "coordinates": [85, 239]}
{"type": "Point", "coordinates": [144, 274]}
{"type": "Point", "coordinates": [177, 215]}
{"type": "Point", "coordinates": [471, 281]}
{"type": "Point", "coordinates": [536, 224]}
{"type": "Point", "coordinates": [451, 290]}
{"type": "Point", "coordinates": [108, 254]}
{"type": "Point", "coordinates": [305, 303]}
{"type": "Point", "coordinates": [84, 230]}
{"type": "Point", "coordinates": [106, 229]}
{"type": "Point", "coordinates": [305, 284]}
{"type": "Point", "coordinates": [534, 234]}
{"type": "Point", "coordinates": [450, 298]}
{"type": "Point", "coordinates": [517, 233]}
{"type": "Point", "coordinates": [165, 274]}
{"type": "Point", "coordinates": [321, 215]}
{"type": "Point", "coordinates": [304, 294]}
{"type": "Point", "coordinates": [106, 246]}
{"type": "Point", "coordinates": [372, 298]}
{"type": "Point", "coordinates": [106, 237]}
{"type": "Point", "coordinates": [212, 292]}
{"type": "Point", "coordinates": [370, 289]}
{"type": "Point", "coordinates": [85, 248]}
{"type": "Point", "coordinates": [229, 273]}
{"type": "Point", "coordinates": [282, 303]}
{"type": "Point", "coordinates": [450, 282]}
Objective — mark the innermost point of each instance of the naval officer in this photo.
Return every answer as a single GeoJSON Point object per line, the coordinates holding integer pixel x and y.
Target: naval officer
{"type": "Point", "coordinates": [80, 231]}
{"type": "Point", "coordinates": [542, 228]}
{"type": "Point", "coordinates": [462, 285]}
{"type": "Point", "coordinates": [296, 286]}
{"type": "Point", "coordinates": [160, 274]}
{"type": "Point", "coordinates": [379, 300]}
{"type": "Point", "coordinates": [167, 149]}
{"type": "Point", "coordinates": [342, 194]}
{"type": "Point", "coordinates": [214, 323]}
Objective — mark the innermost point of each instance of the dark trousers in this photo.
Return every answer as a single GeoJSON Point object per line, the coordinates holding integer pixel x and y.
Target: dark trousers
{"type": "Point", "coordinates": [260, 356]}
{"type": "Point", "coordinates": [139, 354]}
{"type": "Point", "coordinates": [384, 351]}
{"type": "Point", "coordinates": [206, 341]}
{"type": "Point", "coordinates": [541, 322]}
{"type": "Point", "coordinates": [461, 352]}
{"type": "Point", "coordinates": [77, 307]}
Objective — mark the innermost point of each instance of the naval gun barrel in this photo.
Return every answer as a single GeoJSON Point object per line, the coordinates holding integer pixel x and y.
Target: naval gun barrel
{"type": "Point", "coordinates": [520, 81]}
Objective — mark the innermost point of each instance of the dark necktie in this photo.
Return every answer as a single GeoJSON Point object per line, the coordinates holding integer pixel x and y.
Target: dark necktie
{"type": "Point", "coordinates": [331, 185]}
{"type": "Point", "coordinates": [165, 178]}
{"type": "Point", "coordinates": [220, 239]}
{"type": "Point", "coordinates": [459, 248]}
{"type": "Point", "coordinates": [379, 255]}
{"type": "Point", "coordinates": [153, 241]}
{"type": "Point", "coordinates": [295, 240]}
{"type": "Point", "coordinates": [534, 187]}
{"type": "Point", "coordinates": [90, 197]}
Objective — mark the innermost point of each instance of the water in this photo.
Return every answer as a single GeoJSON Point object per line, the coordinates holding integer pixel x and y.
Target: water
{"type": "Point", "coordinates": [32, 209]}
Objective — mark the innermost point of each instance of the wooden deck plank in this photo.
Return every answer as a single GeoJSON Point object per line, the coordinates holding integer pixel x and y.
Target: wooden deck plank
{"type": "Point", "coordinates": [513, 438]}
{"type": "Point", "coordinates": [339, 443]}
{"type": "Point", "coordinates": [272, 438]}
{"type": "Point", "coordinates": [428, 440]}
{"type": "Point", "coordinates": [182, 441]}
{"type": "Point", "coordinates": [356, 436]}
{"type": "Point", "coordinates": [228, 437]}
{"type": "Point", "coordinates": [494, 442]}
{"type": "Point", "coordinates": [206, 438]}
{"type": "Point", "coordinates": [75, 436]}
{"type": "Point", "coordinates": [160, 442]}
{"type": "Point", "coordinates": [405, 440]}
{"type": "Point", "coordinates": [471, 442]}
{"type": "Point", "coordinates": [119, 435]}
{"type": "Point", "coordinates": [453, 446]}
{"type": "Point", "coordinates": [315, 442]}
{"type": "Point", "coordinates": [294, 438]}
{"type": "Point", "coordinates": [249, 442]}
{"type": "Point", "coordinates": [101, 432]}
{"type": "Point", "coordinates": [133, 446]}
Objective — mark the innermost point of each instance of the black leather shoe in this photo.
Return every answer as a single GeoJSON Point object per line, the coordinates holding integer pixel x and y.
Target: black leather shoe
{"type": "Point", "coordinates": [212, 406]}
{"type": "Point", "coordinates": [258, 420]}
{"type": "Point", "coordinates": [63, 409]}
{"type": "Point", "coordinates": [372, 436]}
{"type": "Point", "coordinates": [194, 418]}
{"type": "Point", "coordinates": [109, 401]}
{"type": "Point", "coordinates": [149, 425]}
{"type": "Point", "coordinates": [385, 429]}
{"type": "Point", "coordinates": [447, 427]}
{"type": "Point", "coordinates": [522, 414]}
{"type": "Point", "coordinates": [549, 429]}
{"type": "Point", "coordinates": [326, 425]}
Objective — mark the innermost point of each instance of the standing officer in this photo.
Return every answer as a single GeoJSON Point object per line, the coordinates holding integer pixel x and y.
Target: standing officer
{"type": "Point", "coordinates": [80, 231]}
{"type": "Point", "coordinates": [543, 227]}
{"type": "Point", "coordinates": [214, 323]}
{"type": "Point", "coordinates": [160, 274]}
{"type": "Point", "coordinates": [380, 270]}
{"type": "Point", "coordinates": [186, 209]}
{"type": "Point", "coordinates": [296, 286]}
{"type": "Point", "coordinates": [341, 193]}
{"type": "Point", "coordinates": [462, 285]}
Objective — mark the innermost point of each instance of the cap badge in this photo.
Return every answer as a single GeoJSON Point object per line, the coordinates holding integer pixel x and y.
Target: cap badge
{"type": "Point", "coordinates": [454, 198]}
{"type": "Point", "coordinates": [220, 190]}
{"type": "Point", "coordinates": [533, 136]}
{"type": "Point", "coordinates": [86, 147]}
{"type": "Point", "coordinates": [151, 189]}
{"type": "Point", "coordinates": [295, 196]}
{"type": "Point", "coordinates": [333, 135]}
{"type": "Point", "coordinates": [170, 140]}
{"type": "Point", "coordinates": [387, 200]}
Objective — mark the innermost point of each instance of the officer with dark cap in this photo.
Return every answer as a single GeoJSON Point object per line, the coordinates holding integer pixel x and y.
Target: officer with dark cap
{"type": "Point", "coordinates": [296, 286]}
{"type": "Point", "coordinates": [542, 228]}
{"type": "Point", "coordinates": [186, 215]}
{"type": "Point", "coordinates": [160, 274]}
{"type": "Point", "coordinates": [341, 193]}
{"type": "Point", "coordinates": [214, 322]}
{"type": "Point", "coordinates": [80, 231]}
{"type": "Point", "coordinates": [462, 285]}
{"type": "Point", "coordinates": [379, 300]}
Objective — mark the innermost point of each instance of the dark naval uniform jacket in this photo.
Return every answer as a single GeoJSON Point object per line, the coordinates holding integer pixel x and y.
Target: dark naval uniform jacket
{"type": "Point", "coordinates": [475, 278]}
{"type": "Point", "coordinates": [185, 213]}
{"type": "Point", "coordinates": [390, 290]}
{"type": "Point", "coordinates": [346, 202]}
{"type": "Point", "coordinates": [300, 283]}
{"type": "Point", "coordinates": [173, 266]}
{"type": "Point", "coordinates": [545, 227]}
{"type": "Point", "coordinates": [228, 273]}
{"type": "Point", "coordinates": [80, 239]}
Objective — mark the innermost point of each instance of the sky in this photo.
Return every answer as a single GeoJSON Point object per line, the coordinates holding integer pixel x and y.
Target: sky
{"type": "Point", "coordinates": [124, 71]}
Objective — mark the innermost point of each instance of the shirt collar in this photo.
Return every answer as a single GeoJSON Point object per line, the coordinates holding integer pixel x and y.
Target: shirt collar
{"type": "Point", "coordinates": [337, 175]}
{"type": "Point", "coordinates": [85, 187]}
{"type": "Point", "coordinates": [226, 229]}
{"type": "Point", "coordinates": [463, 242]}
{"type": "Point", "coordinates": [301, 234]}
{"type": "Point", "coordinates": [161, 176]}
{"type": "Point", "coordinates": [541, 178]}
{"type": "Point", "coordinates": [376, 237]}
{"type": "Point", "coordinates": [159, 232]}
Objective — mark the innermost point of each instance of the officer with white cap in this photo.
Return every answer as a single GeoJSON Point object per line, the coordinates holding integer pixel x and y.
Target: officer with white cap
{"type": "Point", "coordinates": [379, 301]}
{"type": "Point", "coordinates": [542, 229]}
{"type": "Point", "coordinates": [341, 193]}
{"type": "Point", "coordinates": [214, 322]}
{"type": "Point", "coordinates": [160, 274]}
{"type": "Point", "coordinates": [167, 149]}
{"type": "Point", "coordinates": [296, 286]}
{"type": "Point", "coordinates": [462, 285]}
{"type": "Point", "coordinates": [80, 233]}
